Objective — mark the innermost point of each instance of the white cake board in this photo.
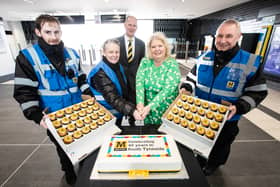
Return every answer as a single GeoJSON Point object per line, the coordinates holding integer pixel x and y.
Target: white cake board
{"type": "Point", "coordinates": [109, 167]}
{"type": "Point", "coordinates": [182, 174]}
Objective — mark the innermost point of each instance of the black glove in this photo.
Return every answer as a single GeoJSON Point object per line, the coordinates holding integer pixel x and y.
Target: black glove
{"type": "Point", "coordinates": [70, 73]}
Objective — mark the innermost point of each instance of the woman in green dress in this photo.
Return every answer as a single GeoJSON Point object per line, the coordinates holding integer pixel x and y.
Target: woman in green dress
{"type": "Point", "coordinates": [157, 80]}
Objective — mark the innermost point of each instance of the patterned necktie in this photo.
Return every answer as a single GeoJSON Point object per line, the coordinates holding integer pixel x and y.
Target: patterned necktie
{"type": "Point", "coordinates": [129, 51]}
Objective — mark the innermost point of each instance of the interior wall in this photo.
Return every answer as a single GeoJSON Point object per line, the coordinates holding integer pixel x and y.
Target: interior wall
{"type": "Point", "coordinates": [7, 63]}
{"type": "Point", "coordinates": [252, 10]}
{"type": "Point", "coordinates": [88, 38]}
{"type": "Point", "coordinates": [18, 34]}
{"type": "Point", "coordinates": [247, 11]}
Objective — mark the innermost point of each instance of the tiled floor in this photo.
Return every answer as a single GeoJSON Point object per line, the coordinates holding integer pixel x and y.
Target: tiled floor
{"type": "Point", "coordinates": [27, 158]}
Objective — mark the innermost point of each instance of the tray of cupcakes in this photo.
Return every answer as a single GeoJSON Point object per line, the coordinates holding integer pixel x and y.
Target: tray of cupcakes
{"type": "Point", "coordinates": [80, 128]}
{"type": "Point", "coordinates": [194, 122]}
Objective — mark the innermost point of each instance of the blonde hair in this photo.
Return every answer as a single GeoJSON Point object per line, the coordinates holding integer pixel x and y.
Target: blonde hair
{"type": "Point", "coordinates": [161, 37]}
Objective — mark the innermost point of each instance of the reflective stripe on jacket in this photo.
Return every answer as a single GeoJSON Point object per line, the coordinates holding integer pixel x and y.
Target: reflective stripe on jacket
{"type": "Point", "coordinates": [113, 77]}
{"type": "Point", "coordinates": [229, 84]}
{"type": "Point", "coordinates": [55, 91]}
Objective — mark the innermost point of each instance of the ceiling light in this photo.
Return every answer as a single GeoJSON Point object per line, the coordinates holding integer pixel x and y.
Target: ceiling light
{"type": "Point", "coordinates": [29, 1]}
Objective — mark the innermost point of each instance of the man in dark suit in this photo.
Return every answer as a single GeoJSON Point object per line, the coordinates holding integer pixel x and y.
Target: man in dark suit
{"type": "Point", "coordinates": [132, 51]}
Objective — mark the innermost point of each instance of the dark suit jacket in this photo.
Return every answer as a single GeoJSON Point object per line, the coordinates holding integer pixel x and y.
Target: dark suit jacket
{"type": "Point", "coordinates": [130, 69]}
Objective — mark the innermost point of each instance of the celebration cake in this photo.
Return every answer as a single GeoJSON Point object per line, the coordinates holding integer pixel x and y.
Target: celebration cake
{"type": "Point", "coordinates": [154, 153]}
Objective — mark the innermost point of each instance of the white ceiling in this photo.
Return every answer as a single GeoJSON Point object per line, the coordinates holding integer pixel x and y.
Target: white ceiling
{"type": "Point", "coordinates": [142, 9]}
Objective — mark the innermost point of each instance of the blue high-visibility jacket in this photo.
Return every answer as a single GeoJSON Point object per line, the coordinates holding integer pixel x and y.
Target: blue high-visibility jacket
{"type": "Point", "coordinates": [113, 77]}
{"type": "Point", "coordinates": [55, 91]}
{"type": "Point", "coordinates": [229, 84]}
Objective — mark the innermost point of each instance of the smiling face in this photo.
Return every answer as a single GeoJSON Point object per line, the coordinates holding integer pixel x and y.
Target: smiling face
{"type": "Point", "coordinates": [112, 52]}
{"type": "Point", "coordinates": [227, 36]}
{"type": "Point", "coordinates": [50, 32]}
{"type": "Point", "coordinates": [130, 26]}
{"type": "Point", "coordinates": [158, 50]}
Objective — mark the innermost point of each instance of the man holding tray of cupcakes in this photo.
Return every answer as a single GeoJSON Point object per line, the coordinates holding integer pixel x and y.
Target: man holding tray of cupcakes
{"type": "Point", "coordinates": [48, 77]}
{"type": "Point", "coordinates": [231, 76]}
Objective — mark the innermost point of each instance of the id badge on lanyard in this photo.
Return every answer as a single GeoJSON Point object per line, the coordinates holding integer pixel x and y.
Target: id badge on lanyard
{"type": "Point", "coordinates": [233, 77]}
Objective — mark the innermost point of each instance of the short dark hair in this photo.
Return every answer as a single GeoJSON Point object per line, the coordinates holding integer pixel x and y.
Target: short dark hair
{"type": "Point", "coordinates": [43, 18]}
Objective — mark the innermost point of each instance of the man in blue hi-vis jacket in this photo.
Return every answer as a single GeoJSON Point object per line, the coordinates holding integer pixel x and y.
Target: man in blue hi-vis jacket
{"type": "Point", "coordinates": [231, 76]}
{"type": "Point", "coordinates": [48, 77]}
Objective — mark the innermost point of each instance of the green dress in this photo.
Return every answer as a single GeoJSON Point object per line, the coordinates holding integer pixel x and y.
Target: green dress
{"type": "Point", "coordinates": [157, 87]}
